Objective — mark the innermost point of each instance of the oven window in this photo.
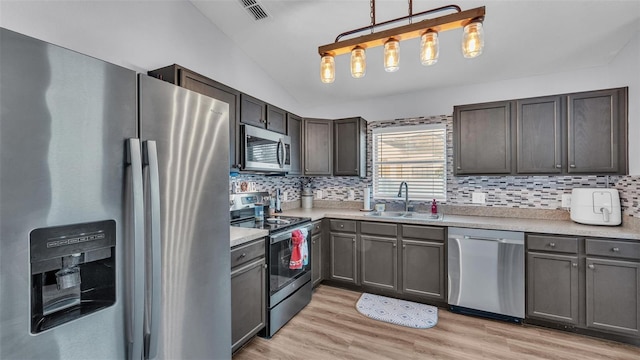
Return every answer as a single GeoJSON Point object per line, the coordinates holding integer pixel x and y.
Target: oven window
{"type": "Point", "coordinates": [280, 274]}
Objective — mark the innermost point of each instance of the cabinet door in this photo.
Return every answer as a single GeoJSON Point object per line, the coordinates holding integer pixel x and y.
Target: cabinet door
{"type": "Point", "coordinates": [276, 119]}
{"type": "Point", "coordinates": [316, 259]}
{"type": "Point", "coordinates": [318, 147]}
{"type": "Point", "coordinates": [539, 135]}
{"type": "Point", "coordinates": [613, 295]}
{"type": "Point", "coordinates": [482, 138]}
{"type": "Point", "coordinates": [349, 152]}
{"type": "Point", "coordinates": [423, 270]}
{"type": "Point", "coordinates": [248, 302]}
{"type": "Point", "coordinates": [379, 262]}
{"type": "Point", "coordinates": [597, 132]}
{"type": "Point", "coordinates": [552, 287]}
{"type": "Point", "coordinates": [253, 111]}
{"type": "Point", "coordinates": [344, 261]}
{"type": "Point", "coordinates": [294, 130]}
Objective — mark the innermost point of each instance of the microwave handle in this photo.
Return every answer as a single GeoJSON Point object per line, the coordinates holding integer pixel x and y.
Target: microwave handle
{"type": "Point", "coordinates": [280, 153]}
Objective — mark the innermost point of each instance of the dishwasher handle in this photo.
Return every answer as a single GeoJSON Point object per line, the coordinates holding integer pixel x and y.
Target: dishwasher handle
{"type": "Point", "coordinates": [500, 240]}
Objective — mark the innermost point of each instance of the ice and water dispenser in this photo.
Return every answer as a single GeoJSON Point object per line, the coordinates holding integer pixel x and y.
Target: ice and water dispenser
{"type": "Point", "coordinates": [73, 272]}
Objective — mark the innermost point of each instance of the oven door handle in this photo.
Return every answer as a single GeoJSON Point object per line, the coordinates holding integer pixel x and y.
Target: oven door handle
{"type": "Point", "coordinates": [276, 238]}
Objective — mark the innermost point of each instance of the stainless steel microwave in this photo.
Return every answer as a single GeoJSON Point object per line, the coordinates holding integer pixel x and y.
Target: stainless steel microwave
{"type": "Point", "coordinates": [264, 150]}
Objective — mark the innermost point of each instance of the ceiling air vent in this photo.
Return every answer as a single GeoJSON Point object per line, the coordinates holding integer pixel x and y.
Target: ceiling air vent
{"type": "Point", "coordinates": [254, 9]}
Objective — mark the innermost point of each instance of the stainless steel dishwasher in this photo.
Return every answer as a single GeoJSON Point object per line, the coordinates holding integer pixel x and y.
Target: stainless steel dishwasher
{"type": "Point", "coordinates": [486, 273]}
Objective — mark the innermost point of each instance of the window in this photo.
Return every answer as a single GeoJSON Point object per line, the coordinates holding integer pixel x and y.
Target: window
{"type": "Point", "coordinates": [415, 154]}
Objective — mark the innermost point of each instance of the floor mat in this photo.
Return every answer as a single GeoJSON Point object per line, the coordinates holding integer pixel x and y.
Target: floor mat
{"type": "Point", "coordinates": [400, 312]}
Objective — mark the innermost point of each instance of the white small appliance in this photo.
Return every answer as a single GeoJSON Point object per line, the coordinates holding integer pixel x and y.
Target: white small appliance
{"type": "Point", "coordinates": [594, 206]}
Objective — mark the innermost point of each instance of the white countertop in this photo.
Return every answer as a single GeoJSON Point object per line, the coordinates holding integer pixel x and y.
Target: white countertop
{"type": "Point", "coordinates": [240, 235]}
{"type": "Point", "coordinates": [562, 227]}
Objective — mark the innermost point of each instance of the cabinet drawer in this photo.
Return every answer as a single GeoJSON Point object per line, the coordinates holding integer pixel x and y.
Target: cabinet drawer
{"type": "Point", "coordinates": [317, 227]}
{"type": "Point", "coordinates": [423, 232]}
{"type": "Point", "coordinates": [375, 228]}
{"type": "Point", "coordinates": [343, 225]}
{"type": "Point", "coordinates": [613, 248]}
{"type": "Point", "coordinates": [552, 243]}
{"type": "Point", "coordinates": [247, 252]}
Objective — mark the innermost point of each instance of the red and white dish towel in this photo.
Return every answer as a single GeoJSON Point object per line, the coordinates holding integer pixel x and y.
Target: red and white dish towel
{"type": "Point", "coordinates": [300, 250]}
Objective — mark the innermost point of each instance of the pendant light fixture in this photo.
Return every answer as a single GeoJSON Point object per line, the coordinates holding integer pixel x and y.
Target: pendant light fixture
{"type": "Point", "coordinates": [358, 62]}
{"type": "Point", "coordinates": [327, 69]}
{"type": "Point", "coordinates": [428, 30]}
{"type": "Point", "coordinates": [473, 39]}
{"type": "Point", "coordinates": [429, 48]}
{"type": "Point", "coordinates": [391, 55]}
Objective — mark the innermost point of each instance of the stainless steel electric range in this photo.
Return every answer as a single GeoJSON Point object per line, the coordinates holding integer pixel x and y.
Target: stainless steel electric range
{"type": "Point", "coordinates": [288, 290]}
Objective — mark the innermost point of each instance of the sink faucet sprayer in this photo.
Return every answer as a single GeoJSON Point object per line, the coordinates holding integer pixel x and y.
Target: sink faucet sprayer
{"type": "Point", "coordinates": [406, 195]}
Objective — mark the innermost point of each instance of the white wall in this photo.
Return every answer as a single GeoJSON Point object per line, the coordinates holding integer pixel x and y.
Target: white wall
{"type": "Point", "coordinates": [144, 35]}
{"type": "Point", "coordinates": [624, 70]}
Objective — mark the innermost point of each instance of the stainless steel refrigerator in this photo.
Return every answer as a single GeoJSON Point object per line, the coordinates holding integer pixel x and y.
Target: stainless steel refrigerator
{"type": "Point", "coordinates": [114, 235]}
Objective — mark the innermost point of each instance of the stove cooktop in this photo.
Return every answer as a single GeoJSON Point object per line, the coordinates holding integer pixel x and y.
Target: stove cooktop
{"type": "Point", "coordinates": [273, 223]}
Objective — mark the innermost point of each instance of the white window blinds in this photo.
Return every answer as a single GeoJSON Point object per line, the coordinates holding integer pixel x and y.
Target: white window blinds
{"type": "Point", "coordinates": [415, 154]}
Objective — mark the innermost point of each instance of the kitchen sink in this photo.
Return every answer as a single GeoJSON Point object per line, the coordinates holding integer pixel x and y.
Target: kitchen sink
{"type": "Point", "coordinates": [403, 215]}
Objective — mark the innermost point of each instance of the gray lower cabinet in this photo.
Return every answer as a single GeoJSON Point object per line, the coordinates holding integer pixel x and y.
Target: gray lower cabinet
{"type": "Point", "coordinates": [343, 251]}
{"type": "Point", "coordinates": [248, 292]}
{"type": "Point", "coordinates": [316, 253]}
{"type": "Point", "coordinates": [379, 255]}
{"type": "Point", "coordinates": [552, 287]}
{"type": "Point", "coordinates": [423, 262]}
{"type": "Point", "coordinates": [587, 283]}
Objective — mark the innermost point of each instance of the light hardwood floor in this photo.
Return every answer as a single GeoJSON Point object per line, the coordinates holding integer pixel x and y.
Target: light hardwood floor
{"type": "Point", "coordinates": [331, 328]}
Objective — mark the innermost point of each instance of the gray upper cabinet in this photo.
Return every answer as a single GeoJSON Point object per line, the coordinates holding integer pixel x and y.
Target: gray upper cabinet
{"type": "Point", "coordinates": [186, 78]}
{"type": "Point", "coordinates": [482, 138]}
{"type": "Point", "coordinates": [256, 112]}
{"type": "Point", "coordinates": [349, 147]}
{"type": "Point", "coordinates": [539, 129]}
{"type": "Point", "coordinates": [318, 147]}
{"type": "Point", "coordinates": [580, 133]}
{"type": "Point", "coordinates": [294, 130]}
{"type": "Point", "coordinates": [597, 127]}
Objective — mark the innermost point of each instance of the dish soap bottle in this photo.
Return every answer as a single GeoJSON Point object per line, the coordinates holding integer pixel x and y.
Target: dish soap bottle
{"type": "Point", "coordinates": [434, 208]}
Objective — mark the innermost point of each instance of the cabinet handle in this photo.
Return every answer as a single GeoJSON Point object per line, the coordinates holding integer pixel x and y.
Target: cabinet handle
{"type": "Point", "coordinates": [313, 241]}
{"type": "Point", "coordinates": [591, 266]}
{"type": "Point", "coordinates": [354, 240]}
{"type": "Point", "coordinates": [404, 246]}
{"type": "Point", "coordinates": [558, 166]}
{"type": "Point", "coordinates": [615, 249]}
{"type": "Point", "coordinates": [269, 123]}
{"type": "Point", "coordinates": [265, 266]}
{"type": "Point", "coordinates": [459, 168]}
{"type": "Point", "coordinates": [574, 264]}
{"type": "Point", "coordinates": [552, 245]}
{"type": "Point", "coordinates": [341, 226]}
{"type": "Point", "coordinates": [306, 169]}
{"type": "Point", "coordinates": [394, 245]}
{"type": "Point", "coordinates": [572, 165]}
{"type": "Point", "coordinates": [243, 255]}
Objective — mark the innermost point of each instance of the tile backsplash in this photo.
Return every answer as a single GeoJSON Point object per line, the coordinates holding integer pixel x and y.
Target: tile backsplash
{"type": "Point", "coordinates": [527, 192]}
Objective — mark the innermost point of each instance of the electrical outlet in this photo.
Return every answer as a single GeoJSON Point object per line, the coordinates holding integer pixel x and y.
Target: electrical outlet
{"type": "Point", "coordinates": [566, 200]}
{"type": "Point", "coordinates": [284, 196]}
{"type": "Point", "coordinates": [478, 198]}
{"type": "Point", "coordinates": [352, 195]}
{"type": "Point", "coordinates": [318, 194]}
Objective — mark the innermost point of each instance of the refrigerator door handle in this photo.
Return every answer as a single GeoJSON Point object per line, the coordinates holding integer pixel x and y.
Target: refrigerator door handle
{"type": "Point", "coordinates": [135, 289]}
{"type": "Point", "coordinates": [154, 256]}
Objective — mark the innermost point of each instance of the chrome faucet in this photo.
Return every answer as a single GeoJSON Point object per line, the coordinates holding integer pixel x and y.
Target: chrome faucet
{"type": "Point", "coordinates": [406, 195]}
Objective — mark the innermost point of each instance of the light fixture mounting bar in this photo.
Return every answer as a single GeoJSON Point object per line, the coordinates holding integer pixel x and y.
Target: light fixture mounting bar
{"type": "Point", "coordinates": [410, 31]}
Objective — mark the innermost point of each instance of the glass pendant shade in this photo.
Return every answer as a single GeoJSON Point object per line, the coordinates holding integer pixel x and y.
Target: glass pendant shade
{"type": "Point", "coordinates": [327, 69]}
{"type": "Point", "coordinates": [391, 55]}
{"type": "Point", "coordinates": [358, 62]}
{"type": "Point", "coordinates": [472, 40]}
{"type": "Point", "coordinates": [429, 48]}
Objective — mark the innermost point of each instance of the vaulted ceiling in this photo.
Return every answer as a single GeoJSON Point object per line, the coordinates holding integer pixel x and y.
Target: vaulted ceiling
{"type": "Point", "coordinates": [522, 39]}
